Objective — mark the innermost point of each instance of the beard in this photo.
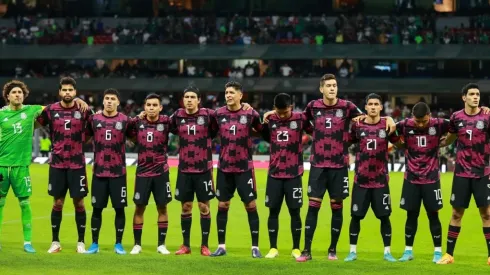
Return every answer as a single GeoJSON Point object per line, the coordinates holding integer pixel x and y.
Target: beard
{"type": "Point", "coordinates": [67, 100]}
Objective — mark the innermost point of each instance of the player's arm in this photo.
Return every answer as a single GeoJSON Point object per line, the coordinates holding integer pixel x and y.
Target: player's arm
{"type": "Point", "coordinates": [256, 124]}
{"type": "Point", "coordinates": [307, 125]}
{"type": "Point", "coordinates": [213, 124]}
{"type": "Point", "coordinates": [172, 125]}
{"type": "Point", "coordinates": [266, 133]}
{"type": "Point", "coordinates": [131, 130]}
{"type": "Point", "coordinates": [353, 134]}
{"type": "Point", "coordinates": [81, 105]}
{"type": "Point", "coordinates": [89, 130]}
{"type": "Point", "coordinates": [400, 143]}
{"type": "Point", "coordinates": [452, 133]}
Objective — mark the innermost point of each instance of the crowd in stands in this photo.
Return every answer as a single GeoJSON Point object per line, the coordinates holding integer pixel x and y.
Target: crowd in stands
{"type": "Point", "coordinates": [240, 30]}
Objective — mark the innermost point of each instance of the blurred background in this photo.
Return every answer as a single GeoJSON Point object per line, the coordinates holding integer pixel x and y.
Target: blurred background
{"type": "Point", "coordinates": [406, 50]}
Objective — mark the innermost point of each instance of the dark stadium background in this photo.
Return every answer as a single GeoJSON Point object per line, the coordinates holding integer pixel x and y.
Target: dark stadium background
{"type": "Point", "coordinates": [405, 50]}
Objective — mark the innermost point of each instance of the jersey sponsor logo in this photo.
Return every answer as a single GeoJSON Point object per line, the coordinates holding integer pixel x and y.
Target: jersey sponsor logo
{"type": "Point", "coordinates": [243, 119]}
{"type": "Point", "coordinates": [77, 115]}
{"type": "Point", "coordinates": [432, 131]}
{"type": "Point", "coordinates": [118, 125]}
{"type": "Point", "coordinates": [382, 133]}
{"type": "Point", "coordinates": [293, 125]}
{"type": "Point", "coordinates": [23, 116]}
{"type": "Point", "coordinates": [160, 127]}
{"type": "Point", "coordinates": [339, 113]}
{"type": "Point", "coordinates": [480, 125]}
{"type": "Point", "coordinates": [200, 120]}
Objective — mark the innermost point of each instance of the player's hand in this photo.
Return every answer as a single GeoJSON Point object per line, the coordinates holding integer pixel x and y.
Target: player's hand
{"type": "Point", "coordinates": [442, 141]}
{"type": "Point", "coordinates": [98, 112]}
{"type": "Point", "coordinates": [129, 143]}
{"type": "Point", "coordinates": [486, 110]}
{"type": "Point", "coordinates": [247, 107]}
{"type": "Point", "coordinates": [82, 105]}
{"type": "Point", "coordinates": [268, 114]}
{"type": "Point", "coordinates": [390, 125]}
{"type": "Point", "coordinates": [359, 118]}
{"type": "Point", "coordinates": [142, 115]}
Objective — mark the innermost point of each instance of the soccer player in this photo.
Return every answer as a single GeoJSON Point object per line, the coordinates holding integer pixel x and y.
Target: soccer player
{"type": "Point", "coordinates": [421, 135]}
{"type": "Point", "coordinates": [109, 130]}
{"type": "Point", "coordinates": [67, 162]}
{"type": "Point", "coordinates": [152, 175]}
{"type": "Point", "coordinates": [471, 174]}
{"type": "Point", "coordinates": [16, 130]}
{"type": "Point", "coordinates": [193, 126]}
{"type": "Point", "coordinates": [284, 131]}
{"type": "Point", "coordinates": [371, 175]}
{"type": "Point", "coordinates": [235, 166]}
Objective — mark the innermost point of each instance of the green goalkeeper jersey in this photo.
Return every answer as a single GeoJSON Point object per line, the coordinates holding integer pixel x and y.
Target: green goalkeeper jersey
{"type": "Point", "coordinates": [16, 131]}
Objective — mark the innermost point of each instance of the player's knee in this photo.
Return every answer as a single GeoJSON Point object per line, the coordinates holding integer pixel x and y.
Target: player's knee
{"type": "Point", "coordinates": [97, 212]}
{"type": "Point", "coordinates": [356, 218]}
{"type": "Point", "coordinates": [3, 200]}
{"type": "Point", "coordinates": [414, 214]}
{"type": "Point", "coordinates": [336, 201]}
{"type": "Point", "coordinates": [24, 202]}
{"type": "Point", "coordinates": [294, 212]}
{"type": "Point", "coordinates": [140, 209]}
{"type": "Point", "coordinates": [251, 205]}
{"type": "Point", "coordinates": [119, 212]}
{"type": "Point", "coordinates": [433, 215]}
{"type": "Point", "coordinates": [274, 212]}
{"type": "Point", "coordinates": [161, 209]}
{"type": "Point", "coordinates": [457, 215]}
{"type": "Point", "coordinates": [59, 202]}
{"type": "Point", "coordinates": [187, 207]}
{"type": "Point", "coordinates": [485, 214]}
{"type": "Point", "coordinates": [203, 208]}
{"type": "Point", "coordinates": [224, 204]}
{"type": "Point", "coordinates": [78, 203]}
{"type": "Point", "coordinates": [336, 207]}
{"type": "Point", "coordinates": [384, 219]}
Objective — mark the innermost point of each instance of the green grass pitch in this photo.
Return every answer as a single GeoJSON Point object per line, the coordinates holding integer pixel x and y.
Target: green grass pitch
{"type": "Point", "coordinates": [471, 254]}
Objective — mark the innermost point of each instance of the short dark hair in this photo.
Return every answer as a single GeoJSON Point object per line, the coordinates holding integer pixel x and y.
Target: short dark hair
{"type": "Point", "coordinates": [420, 110]}
{"type": "Point", "coordinates": [7, 88]}
{"type": "Point", "coordinates": [154, 96]}
{"type": "Point", "coordinates": [193, 89]}
{"type": "Point", "coordinates": [469, 86]}
{"type": "Point", "coordinates": [282, 101]}
{"type": "Point", "coordinates": [326, 77]}
{"type": "Point", "coordinates": [234, 84]}
{"type": "Point", "coordinates": [68, 81]}
{"type": "Point", "coordinates": [112, 91]}
{"type": "Point", "coordinates": [374, 96]}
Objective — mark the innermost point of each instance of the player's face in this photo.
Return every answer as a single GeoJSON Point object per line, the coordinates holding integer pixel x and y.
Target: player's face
{"type": "Point", "coordinates": [110, 103]}
{"type": "Point", "coordinates": [153, 108]}
{"type": "Point", "coordinates": [373, 107]}
{"type": "Point", "coordinates": [233, 96]}
{"type": "Point", "coordinates": [67, 93]}
{"type": "Point", "coordinates": [422, 122]}
{"type": "Point", "coordinates": [191, 101]}
{"type": "Point", "coordinates": [284, 113]}
{"type": "Point", "coordinates": [16, 96]}
{"type": "Point", "coordinates": [472, 98]}
{"type": "Point", "coordinates": [329, 89]}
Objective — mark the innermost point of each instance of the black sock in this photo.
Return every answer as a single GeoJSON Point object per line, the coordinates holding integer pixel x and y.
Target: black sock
{"type": "Point", "coordinates": [273, 226]}
{"type": "Point", "coordinates": [310, 223]}
{"type": "Point", "coordinates": [96, 223]}
{"type": "Point", "coordinates": [354, 229]}
{"type": "Point", "coordinates": [295, 226]}
{"type": "Point", "coordinates": [253, 222]}
{"type": "Point", "coordinates": [452, 237]}
{"type": "Point", "coordinates": [486, 232]}
{"type": "Point", "coordinates": [411, 227]}
{"type": "Point", "coordinates": [205, 228]}
{"type": "Point", "coordinates": [56, 216]}
{"type": "Point", "coordinates": [221, 220]}
{"type": "Point", "coordinates": [386, 230]}
{"type": "Point", "coordinates": [162, 232]}
{"type": "Point", "coordinates": [336, 225]}
{"type": "Point", "coordinates": [435, 228]}
{"type": "Point", "coordinates": [186, 223]}
{"type": "Point", "coordinates": [137, 232]}
{"type": "Point", "coordinates": [81, 221]}
{"type": "Point", "coordinates": [119, 224]}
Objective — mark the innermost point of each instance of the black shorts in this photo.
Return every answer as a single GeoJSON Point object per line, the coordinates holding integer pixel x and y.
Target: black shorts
{"type": "Point", "coordinates": [62, 180]}
{"type": "Point", "coordinates": [378, 198]}
{"type": "Point", "coordinates": [199, 183]}
{"type": "Point", "coordinates": [228, 183]}
{"type": "Point", "coordinates": [335, 180]}
{"type": "Point", "coordinates": [159, 186]}
{"type": "Point", "coordinates": [115, 188]}
{"type": "Point", "coordinates": [277, 189]}
{"type": "Point", "coordinates": [414, 194]}
{"type": "Point", "coordinates": [464, 187]}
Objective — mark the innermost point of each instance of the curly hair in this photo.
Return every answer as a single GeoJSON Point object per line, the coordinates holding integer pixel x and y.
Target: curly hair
{"type": "Point", "coordinates": [7, 88]}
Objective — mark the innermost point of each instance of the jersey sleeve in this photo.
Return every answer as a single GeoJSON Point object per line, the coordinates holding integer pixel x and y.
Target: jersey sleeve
{"type": "Point", "coordinates": [213, 124]}
{"type": "Point", "coordinates": [354, 111]}
{"type": "Point", "coordinates": [444, 126]}
{"type": "Point", "coordinates": [400, 127]}
{"type": "Point", "coordinates": [307, 126]}
{"type": "Point", "coordinates": [394, 137]}
{"type": "Point", "coordinates": [256, 124]}
{"type": "Point", "coordinates": [173, 123]}
{"type": "Point", "coordinates": [266, 133]}
{"type": "Point", "coordinates": [36, 110]}
{"type": "Point", "coordinates": [353, 133]}
{"type": "Point", "coordinates": [44, 118]}
{"type": "Point", "coordinates": [131, 130]}
{"type": "Point", "coordinates": [89, 130]}
{"type": "Point", "coordinates": [307, 111]}
{"type": "Point", "coordinates": [452, 125]}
